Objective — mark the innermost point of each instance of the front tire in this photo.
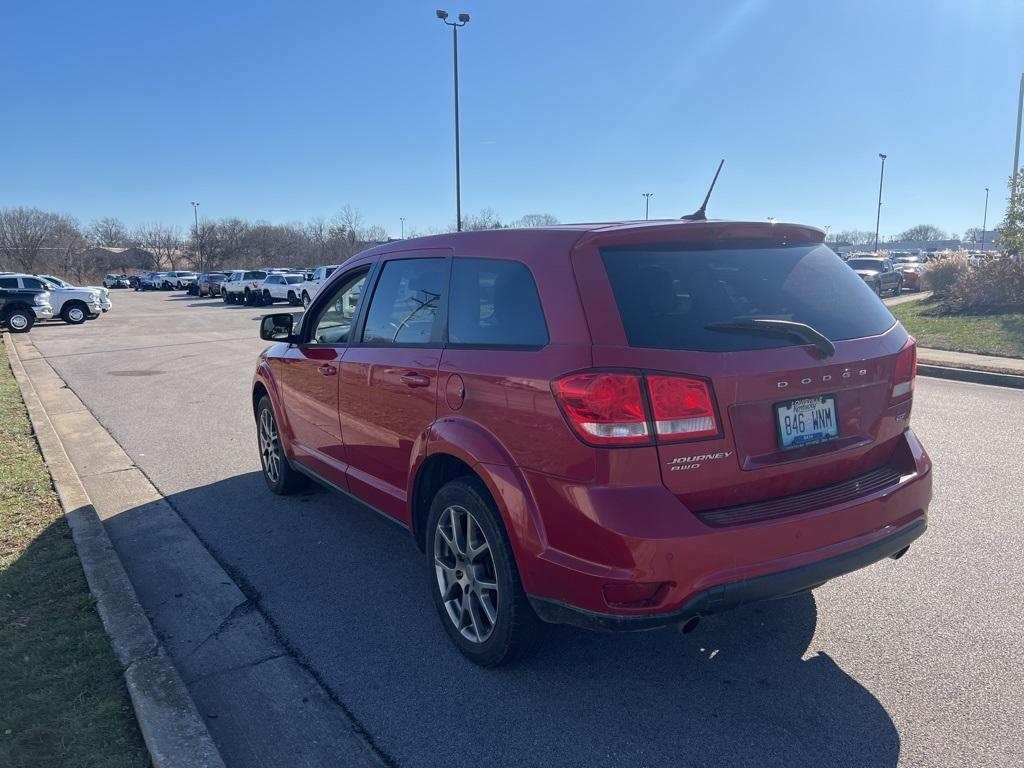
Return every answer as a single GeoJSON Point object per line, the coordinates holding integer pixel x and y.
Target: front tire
{"type": "Point", "coordinates": [292, 299]}
{"type": "Point", "coordinates": [74, 313]}
{"type": "Point", "coordinates": [277, 472]}
{"type": "Point", "coordinates": [19, 320]}
{"type": "Point", "coordinates": [305, 300]}
{"type": "Point", "coordinates": [473, 577]}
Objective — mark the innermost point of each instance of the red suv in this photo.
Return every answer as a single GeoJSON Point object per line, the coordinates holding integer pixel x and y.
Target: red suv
{"type": "Point", "coordinates": [616, 426]}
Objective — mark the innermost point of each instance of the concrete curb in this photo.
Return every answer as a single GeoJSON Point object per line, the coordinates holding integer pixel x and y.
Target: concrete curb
{"type": "Point", "coordinates": [175, 733]}
{"type": "Point", "coordinates": [971, 375]}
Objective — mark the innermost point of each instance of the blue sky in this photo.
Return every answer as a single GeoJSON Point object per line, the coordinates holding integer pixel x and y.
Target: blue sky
{"type": "Point", "coordinates": [283, 111]}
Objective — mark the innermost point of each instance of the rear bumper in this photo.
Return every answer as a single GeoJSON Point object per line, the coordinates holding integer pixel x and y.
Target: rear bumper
{"type": "Point", "coordinates": [596, 540]}
{"type": "Point", "coordinates": [734, 594]}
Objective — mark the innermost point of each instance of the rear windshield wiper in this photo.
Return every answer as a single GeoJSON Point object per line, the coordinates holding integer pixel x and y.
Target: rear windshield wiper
{"type": "Point", "coordinates": [777, 329]}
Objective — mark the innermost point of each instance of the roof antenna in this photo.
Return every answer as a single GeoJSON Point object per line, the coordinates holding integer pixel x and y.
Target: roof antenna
{"type": "Point", "coordinates": [699, 214]}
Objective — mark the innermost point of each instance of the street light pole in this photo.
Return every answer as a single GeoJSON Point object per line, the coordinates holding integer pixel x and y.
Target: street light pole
{"type": "Point", "coordinates": [402, 219]}
{"type": "Point", "coordinates": [199, 253]}
{"type": "Point", "coordinates": [878, 217]}
{"type": "Point", "coordinates": [647, 205]}
{"type": "Point", "coordinates": [984, 221]}
{"type": "Point", "coordinates": [462, 20]}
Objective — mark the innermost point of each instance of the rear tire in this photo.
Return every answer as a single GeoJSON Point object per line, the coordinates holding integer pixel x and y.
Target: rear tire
{"type": "Point", "coordinates": [305, 300]}
{"type": "Point", "coordinates": [292, 298]}
{"type": "Point", "coordinates": [473, 578]}
{"type": "Point", "coordinates": [74, 313]}
{"type": "Point", "coordinates": [277, 472]}
{"type": "Point", "coordinates": [19, 319]}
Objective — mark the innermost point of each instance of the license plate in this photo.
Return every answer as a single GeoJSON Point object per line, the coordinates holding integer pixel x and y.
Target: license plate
{"type": "Point", "coordinates": [807, 421]}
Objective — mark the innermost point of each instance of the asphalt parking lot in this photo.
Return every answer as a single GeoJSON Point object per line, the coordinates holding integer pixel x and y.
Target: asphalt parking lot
{"type": "Point", "coordinates": [917, 662]}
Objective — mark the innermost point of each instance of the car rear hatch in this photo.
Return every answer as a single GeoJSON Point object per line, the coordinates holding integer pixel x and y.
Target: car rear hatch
{"type": "Point", "coordinates": [767, 365]}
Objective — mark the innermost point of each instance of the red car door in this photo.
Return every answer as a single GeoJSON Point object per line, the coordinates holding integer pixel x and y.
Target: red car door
{"type": "Point", "coordinates": [308, 376]}
{"type": "Point", "coordinates": [388, 376]}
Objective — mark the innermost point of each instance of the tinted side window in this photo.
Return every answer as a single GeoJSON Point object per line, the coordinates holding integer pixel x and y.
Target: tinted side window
{"type": "Point", "coordinates": [33, 283]}
{"type": "Point", "coordinates": [405, 308]}
{"type": "Point", "coordinates": [495, 302]}
{"type": "Point", "coordinates": [8, 282]}
{"type": "Point", "coordinates": [337, 316]}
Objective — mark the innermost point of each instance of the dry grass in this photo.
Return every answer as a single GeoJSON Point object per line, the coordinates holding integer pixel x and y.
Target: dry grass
{"type": "Point", "coordinates": [63, 700]}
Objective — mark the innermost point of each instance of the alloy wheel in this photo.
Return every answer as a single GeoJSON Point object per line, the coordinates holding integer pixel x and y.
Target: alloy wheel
{"type": "Point", "coordinates": [18, 321]}
{"type": "Point", "coordinates": [270, 446]}
{"type": "Point", "coordinates": [466, 576]}
{"type": "Point", "coordinates": [76, 315]}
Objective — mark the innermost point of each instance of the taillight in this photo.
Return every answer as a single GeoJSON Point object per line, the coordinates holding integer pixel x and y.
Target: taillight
{"type": "Point", "coordinates": [604, 408]}
{"type": "Point", "coordinates": [682, 407]}
{"type": "Point", "coordinates": [609, 408]}
{"type": "Point", "coordinates": [906, 371]}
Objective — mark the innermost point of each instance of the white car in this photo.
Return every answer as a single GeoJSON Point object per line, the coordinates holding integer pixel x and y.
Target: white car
{"type": "Point", "coordinates": [116, 281]}
{"type": "Point", "coordinates": [243, 285]}
{"type": "Point", "coordinates": [308, 289]}
{"type": "Point", "coordinates": [151, 281]}
{"type": "Point", "coordinates": [74, 305]}
{"type": "Point", "coordinates": [282, 287]}
{"type": "Point", "coordinates": [178, 279]}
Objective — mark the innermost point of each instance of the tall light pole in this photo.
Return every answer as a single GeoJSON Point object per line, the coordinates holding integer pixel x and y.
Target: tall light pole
{"type": "Point", "coordinates": [199, 253]}
{"type": "Point", "coordinates": [984, 221]}
{"type": "Point", "coordinates": [878, 217]}
{"type": "Point", "coordinates": [1016, 146]}
{"type": "Point", "coordinates": [463, 20]}
{"type": "Point", "coordinates": [402, 219]}
{"type": "Point", "coordinates": [647, 205]}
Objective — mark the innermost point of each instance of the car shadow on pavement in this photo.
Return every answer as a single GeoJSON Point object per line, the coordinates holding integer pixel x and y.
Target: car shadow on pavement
{"type": "Point", "coordinates": [347, 592]}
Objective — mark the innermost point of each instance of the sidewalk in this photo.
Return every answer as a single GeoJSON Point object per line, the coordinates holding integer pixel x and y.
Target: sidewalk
{"type": "Point", "coordinates": [943, 357]}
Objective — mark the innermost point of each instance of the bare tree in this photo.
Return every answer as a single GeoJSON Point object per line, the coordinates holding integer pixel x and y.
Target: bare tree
{"type": "Point", "coordinates": [107, 232]}
{"type": "Point", "coordinates": [70, 244]}
{"type": "Point", "coordinates": [486, 219]}
{"type": "Point", "coordinates": [317, 230]}
{"type": "Point", "coordinates": [23, 236]}
{"type": "Point", "coordinates": [923, 232]}
{"type": "Point", "coordinates": [535, 220]}
{"type": "Point", "coordinates": [164, 242]}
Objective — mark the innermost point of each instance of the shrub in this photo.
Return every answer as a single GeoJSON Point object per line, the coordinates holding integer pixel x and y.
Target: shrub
{"type": "Point", "coordinates": [995, 286]}
{"type": "Point", "coordinates": [944, 273]}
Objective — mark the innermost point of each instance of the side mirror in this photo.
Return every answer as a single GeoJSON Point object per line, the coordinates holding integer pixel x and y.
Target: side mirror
{"type": "Point", "coordinates": [277, 327]}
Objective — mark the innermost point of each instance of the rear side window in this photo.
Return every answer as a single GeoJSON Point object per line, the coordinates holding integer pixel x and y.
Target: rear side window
{"type": "Point", "coordinates": [406, 303]}
{"type": "Point", "coordinates": [668, 296]}
{"type": "Point", "coordinates": [495, 303]}
{"type": "Point", "coordinates": [8, 282]}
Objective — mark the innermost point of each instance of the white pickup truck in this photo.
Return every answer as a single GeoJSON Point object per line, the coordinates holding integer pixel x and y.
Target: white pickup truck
{"type": "Point", "coordinates": [74, 305]}
{"type": "Point", "coordinates": [308, 289]}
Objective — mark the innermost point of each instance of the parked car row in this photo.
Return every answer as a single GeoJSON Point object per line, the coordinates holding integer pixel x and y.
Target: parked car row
{"type": "Point", "coordinates": [254, 287]}
{"type": "Point", "coordinates": [29, 298]}
{"type": "Point", "coordinates": [74, 304]}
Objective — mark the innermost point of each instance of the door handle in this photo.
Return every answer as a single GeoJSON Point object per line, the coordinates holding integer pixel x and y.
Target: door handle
{"type": "Point", "coordinates": [327, 369]}
{"type": "Point", "coordinates": [415, 380]}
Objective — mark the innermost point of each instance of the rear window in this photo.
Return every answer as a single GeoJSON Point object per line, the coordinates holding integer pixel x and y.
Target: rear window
{"type": "Point", "coordinates": [254, 276]}
{"type": "Point", "coordinates": [865, 264]}
{"type": "Point", "coordinates": [667, 296]}
{"type": "Point", "coordinates": [293, 279]}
